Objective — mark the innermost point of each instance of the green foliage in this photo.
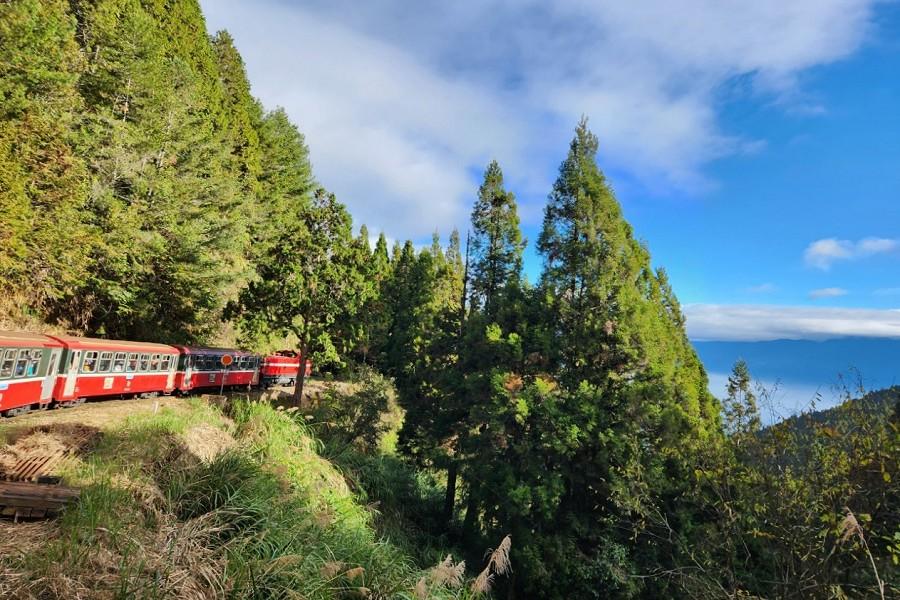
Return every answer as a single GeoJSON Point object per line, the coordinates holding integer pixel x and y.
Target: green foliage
{"type": "Point", "coordinates": [780, 502]}
{"type": "Point", "coordinates": [44, 240]}
{"type": "Point", "coordinates": [145, 194]}
{"type": "Point", "coordinates": [740, 413]}
{"type": "Point", "coordinates": [306, 283]}
{"type": "Point", "coordinates": [361, 419]}
{"type": "Point", "coordinates": [497, 242]}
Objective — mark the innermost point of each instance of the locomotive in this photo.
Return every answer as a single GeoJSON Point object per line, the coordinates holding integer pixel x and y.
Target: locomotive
{"type": "Point", "coordinates": [37, 371]}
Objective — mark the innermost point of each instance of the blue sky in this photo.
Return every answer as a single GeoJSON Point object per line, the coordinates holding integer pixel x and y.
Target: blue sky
{"type": "Point", "coordinates": [754, 146]}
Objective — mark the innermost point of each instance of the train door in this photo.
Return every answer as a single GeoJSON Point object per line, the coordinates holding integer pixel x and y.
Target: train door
{"type": "Point", "coordinates": [173, 366]}
{"type": "Point", "coordinates": [50, 377]}
{"type": "Point", "coordinates": [72, 373]}
{"type": "Point", "coordinates": [188, 370]}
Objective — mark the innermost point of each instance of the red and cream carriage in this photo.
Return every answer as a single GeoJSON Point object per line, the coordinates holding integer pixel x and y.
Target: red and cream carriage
{"type": "Point", "coordinates": [94, 368]}
{"type": "Point", "coordinates": [200, 368]}
{"type": "Point", "coordinates": [28, 368]}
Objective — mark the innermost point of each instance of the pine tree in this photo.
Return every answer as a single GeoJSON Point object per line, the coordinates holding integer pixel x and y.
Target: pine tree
{"type": "Point", "coordinates": [244, 114]}
{"type": "Point", "coordinates": [741, 414]}
{"type": "Point", "coordinates": [157, 132]}
{"type": "Point", "coordinates": [44, 240]}
{"type": "Point", "coordinates": [306, 284]}
{"type": "Point", "coordinates": [496, 242]}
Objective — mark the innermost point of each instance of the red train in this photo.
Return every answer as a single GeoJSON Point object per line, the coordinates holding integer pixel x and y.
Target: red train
{"type": "Point", "coordinates": [39, 370]}
{"type": "Point", "coordinates": [282, 368]}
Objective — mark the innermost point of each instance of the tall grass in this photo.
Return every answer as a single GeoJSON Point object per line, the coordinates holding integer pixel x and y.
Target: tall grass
{"type": "Point", "coordinates": [267, 518]}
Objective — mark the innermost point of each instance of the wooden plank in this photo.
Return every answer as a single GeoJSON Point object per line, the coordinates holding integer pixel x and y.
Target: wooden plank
{"type": "Point", "coordinates": [32, 467]}
{"type": "Point", "coordinates": [18, 498]}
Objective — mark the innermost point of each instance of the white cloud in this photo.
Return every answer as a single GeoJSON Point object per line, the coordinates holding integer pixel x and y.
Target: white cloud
{"type": "Point", "coordinates": [768, 322]}
{"type": "Point", "coordinates": [829, 292]}
{"type": "Point", "coordinates": [823, 253]}
{"type": "Point", "coordinates": [403, 104]}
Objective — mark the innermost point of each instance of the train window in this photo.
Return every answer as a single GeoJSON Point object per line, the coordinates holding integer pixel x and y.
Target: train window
{"type": "Point", "coordinates": [145, 362]}
{"type": "Point", "coordinates": [21, 363]}
{"type": "Point", "coordinates": [105, 362]}
{"type": "Point", "coordinates": [33, 363]}
{"type": "Point", "coordinates": [132, 364]}
{"type": "Point", "coordinates": [89, 364]}
{"type": "Point", "coordinates": [198, 362]}
{"type": "Point", "coordinates": [119, 363]}
{"type": "Point", "coordinates": [154, 362]}
{"type": "Point", "coordinates": [210, 363]}
{"type": "Point", "coordinates": [165, 363]}
{"type": "Point", "coordinates": [6, 367]}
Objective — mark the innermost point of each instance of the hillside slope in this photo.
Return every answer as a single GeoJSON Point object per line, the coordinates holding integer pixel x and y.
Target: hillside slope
{"type": "Point", "coordinates": [182, 501]}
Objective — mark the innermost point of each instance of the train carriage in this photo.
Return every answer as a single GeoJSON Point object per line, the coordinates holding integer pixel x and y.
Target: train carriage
{"type": "Point", "coordinates": [97, 368]}
{"type": "Point", "coordinates": [200, 368]}
{"type": "Point", "coordinates": [28, 370]}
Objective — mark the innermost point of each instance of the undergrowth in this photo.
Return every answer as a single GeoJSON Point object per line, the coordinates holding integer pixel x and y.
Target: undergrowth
{"type": "Point", "coordinates": [268, 516]}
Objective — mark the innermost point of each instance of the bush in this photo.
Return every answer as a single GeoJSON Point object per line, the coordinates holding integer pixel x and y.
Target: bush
{"type": "Point", "coordinates": [366, 419]}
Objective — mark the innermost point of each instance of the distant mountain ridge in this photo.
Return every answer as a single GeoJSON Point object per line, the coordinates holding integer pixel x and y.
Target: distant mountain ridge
{"type": "Point", "coordinates": [880, 404]}
{"type": "Point", "coordinates": [809, 362]}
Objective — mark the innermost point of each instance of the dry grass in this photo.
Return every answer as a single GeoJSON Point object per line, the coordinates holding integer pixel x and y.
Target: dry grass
{"type": "Point", "coordinates": [849, 528]}
{"type": "Point", "coordinates": [448, 574]}
{"type": "Point", "coordinates": [177, 560]}
{"type": "Point", "coordinates": [45, 440]}
{"type": "Point", "coordinates": [498, 564]}
{"type": "Point", "coordinates": [206, 442]}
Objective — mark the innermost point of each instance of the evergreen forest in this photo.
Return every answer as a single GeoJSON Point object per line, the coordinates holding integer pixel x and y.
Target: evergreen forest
{"type": "Point", "coordinates": [145, 194]}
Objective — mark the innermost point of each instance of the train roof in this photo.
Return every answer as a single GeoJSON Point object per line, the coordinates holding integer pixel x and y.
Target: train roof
{"type": "Point", "coordinates": [213, 351]}
{"type": "Point", "coordinates": [21, 338]}
{"type": "Point", "coordinates": [85, 343]}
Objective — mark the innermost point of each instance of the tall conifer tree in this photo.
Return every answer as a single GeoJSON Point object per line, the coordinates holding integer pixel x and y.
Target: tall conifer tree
{"type": "Point", "coordinates": [496, 258]}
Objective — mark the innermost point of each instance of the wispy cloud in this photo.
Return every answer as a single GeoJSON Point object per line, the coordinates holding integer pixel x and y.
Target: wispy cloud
{"type": "Point", "coordinates": [895, 291]}
{"type": "Point", "coordinates": [403, 104]}
{"type": "Point", "coordinates": [769, 322]}
{"type": "Point", "coordinates": [829, 292]}
{"type": "Point", "coordinates": [763, 288]}
{"type": "Point", "coordinates": [825, 252]}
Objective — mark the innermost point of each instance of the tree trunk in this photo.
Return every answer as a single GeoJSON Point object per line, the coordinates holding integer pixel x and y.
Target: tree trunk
{"type": "Point", "coordinates": [450, 498]}
{"type": "Point", "coordinates": [471, 515]}
{"type": "Point", "coordinates": [301, 378]}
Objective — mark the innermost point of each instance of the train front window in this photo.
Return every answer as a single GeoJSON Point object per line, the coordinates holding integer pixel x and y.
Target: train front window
{"type": "Point", "coordinates": [89, 364]}
{"type": "Point", "coordinates": [6, 367]}
{"type": "Point", "coordinates": [105, 362]}
{"type": "Point", "coordinates": [119, 363]}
